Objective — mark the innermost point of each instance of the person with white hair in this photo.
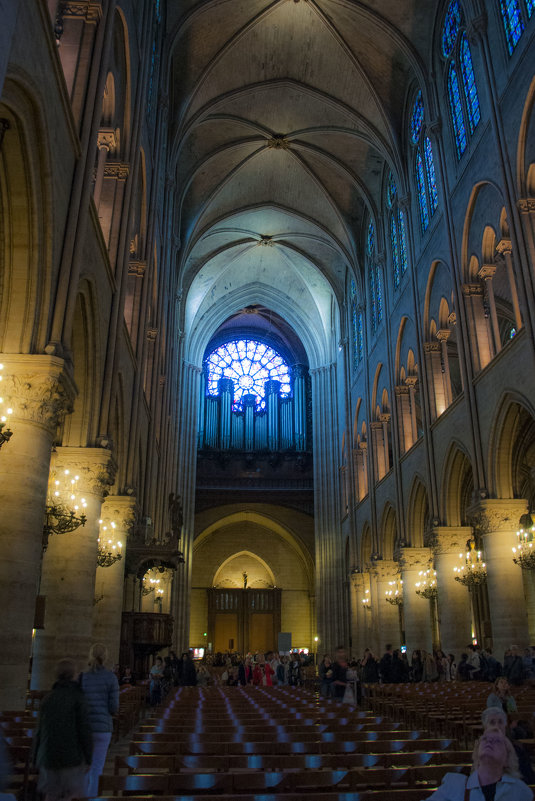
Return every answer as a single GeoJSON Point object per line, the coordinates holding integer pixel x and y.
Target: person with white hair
{"type": "Point", "coordinates": [101, 689]}
{"type": "Point", "coordinates": [494, 775]}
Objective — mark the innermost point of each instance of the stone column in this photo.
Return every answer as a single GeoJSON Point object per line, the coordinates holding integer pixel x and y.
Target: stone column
{"type": "Point", "coordinates": [498, 522]}
{"type": "Point", "coordinates": [69, 568]}
{"type": "Point", "coordinates": [360, 616]}
{"type": "Point", "coordinates": [487, 273]}
{"type": "Point", "coordinates": [386, 615]}
{"type": "Point", "coordinates": [106, 141]}
{"type": "Point", "coordinates": [40, 393]}
{"type": "Point", "coordinates": [418, 631]}
{"type": "Point", "coordinates": [109, 582]}
{"type": "Point", "coordinates": [454, 605]}
{"type": "Point", "coordinates": [504, 249]}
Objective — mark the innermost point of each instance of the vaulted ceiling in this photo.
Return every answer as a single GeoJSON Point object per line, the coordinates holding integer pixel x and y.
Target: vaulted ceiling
{"type": "Point", "coordinates": [284, 117]}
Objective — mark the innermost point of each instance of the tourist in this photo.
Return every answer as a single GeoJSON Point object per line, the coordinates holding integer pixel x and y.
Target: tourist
{"type": "Point", "coordinates": [155, 687]}
{"type": "Point", "coordinates": [101, 689]}
{"type": "Point", "coordinates": [325, 674]}
{"type": "Point", "coordinates": [501, 696]}
{"type": "Point", "coordinates": [494, 774]}
{"type": "Point", "coordinates": [63, 742]}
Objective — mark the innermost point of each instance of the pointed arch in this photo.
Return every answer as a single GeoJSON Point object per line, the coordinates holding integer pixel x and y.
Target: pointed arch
{"type": "Point", "coordinates": [417, 513]}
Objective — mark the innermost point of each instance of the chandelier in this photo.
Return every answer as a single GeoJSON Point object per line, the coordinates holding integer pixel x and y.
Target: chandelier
{"type": "Point", "coordinates": [427, 586]}
{"type": "Point", "coordinates": [394, 595]}
{"type": "Point", "coordinates": [524, 553]}
{"type": "Point", "coordinates": [151, 583]}
{"type": "Point", "coordinates": [5, 413]}
{"type": "Point", "coordinates": [64, 510]}
{"type": "Point", "coordinates": [109, 549]}
{"type": "Point", "coordinates": [366, 600]}
{"type": "Point", "coordinates": [473, 572]}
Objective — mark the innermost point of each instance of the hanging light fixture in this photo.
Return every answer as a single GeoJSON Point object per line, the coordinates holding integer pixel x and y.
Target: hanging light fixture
{"type": "Point", "coordinates": [64, 510]}
{"type": "Point", "coordinates": [366, 600]}
{"type": "Point", "coordinates": [427, 586]}
{"type": "Point", "coordinates": [394, 595]}
{"type": "Point", "coordinates": [5, 413]}
{"type": "Point", "coordinates": [109, 549]}
{"type": "Point", "coordinates": [474, 570]}
{"type": "Point", "coordinates": [524, 553]}
{"type": "Point", "coordinates": [152, 582]}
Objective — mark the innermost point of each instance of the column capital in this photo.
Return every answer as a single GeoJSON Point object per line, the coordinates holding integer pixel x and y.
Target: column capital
{"type": "Point", "coordinates": [360, 581]}
{"type": "Point", "coordinates": [385, 417]}
{"type": "Point", "coordinates": [401, 389]}
{"type": "Point", "coordinates": [431, 347]}
{"type": "Point", "coordinates": [385, 569]}
{"type": "Point", "coordinates": [95, 466]}
{"type": "Point", "coordinates": [38, 388]}
{"type": "Point", "coordinates": [106, 139]}
{"type": "Point", "coordinates": [504, 246]}
{"type": "Point", "coordinates": [121, 509]}
{"type": "Point", "coordinates": [487, 271]}
{"type": "Point", "coordinates": [90, 10]}
{"type": "Point", "coordinates": [497, 514]}
{"type": "Point", "coordinates": [472, 289]}
{"type": "Point", "coordinates": [116, 169]}
{"type": "Point", "coordinates": [449, 539]}
{"type": "Point", "coordinates": [415, 558]}
{"type": "Point", "coordinates": [443, 334]}
{"type": "Point", "coordinates": [137, 268]}
{"type": "Point", "coordinates": [411, 381]}
{"type": "Point", "coordinates": [526, 204]}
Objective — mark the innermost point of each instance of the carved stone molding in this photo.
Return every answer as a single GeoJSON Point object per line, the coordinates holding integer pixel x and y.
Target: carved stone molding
{"type": "Point", "coordinates": [121, 510]}
{"type": "Point", "coordinates": [487, 271]}
{"type": "Point", "coordinates": [431, 347]}
{"type": "Point", "coordinates": [96, 467]}
{"type": "Point", "coordinates": [452, 318]}
{"type": "Point", "coordinates": [137, 268]}
{"type": "Point", "coordinates": [414, 558]}
{"type": "Point", "coordinates": [504, 246]}
{"type": "Point", "coordinates": [106, 139]}
{"type": "Point", "coordinates": [443, 334]}
{"type": "Point", "coordinates": [360, 581]}
{"type": "Point", "coordinates": [411, 381]}
{"type": "Point", "coordinates": [90, 10]}
{"type": "Point", "coordinates": [472, 289]}
{"type": "Point", "coordinates": [152, 333]}
{"type": "Point", "coordinates": [385, 569]}
{"type": "Point", "coordinates": [385, 417]}
{"type": "Point", "coordinates": [114, 169]}
{"type": "Point", "coordinates": [401, 389]}
{"type": "Point", "coordinates": [38, 389]}
{"type": "Point", "coordinates": [279, 141]}
{"type": "Point", "coordinates": [265, 242]}
{"type": "Point", "coordinates": [449, 539]}
{"type": "Point", "coordinates": [526, 204]}
{"type": "Point", "coordinates": [495, 515]}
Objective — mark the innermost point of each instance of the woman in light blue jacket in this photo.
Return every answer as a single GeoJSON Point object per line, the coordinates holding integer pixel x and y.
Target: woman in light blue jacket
{"type": "Point", "coordinates": [101, 689]}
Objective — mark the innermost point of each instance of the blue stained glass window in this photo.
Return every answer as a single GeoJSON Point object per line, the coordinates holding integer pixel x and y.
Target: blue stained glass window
{"type": "Point", "coordinates": [395, 249]}
{"type": "Point", "coordinates": [530, 5]}
{"type": "Point", "coordinates": [512, 22]}
{"type": "Point", "coordinates": [370, 242]}
{"type": "Point", "coordinates": [469, 82]}
{"type": "Point", "coordinates": [373, 298]}
{"type": "Point", "coordinates": [402, 243]}
{"type": "Point", "coordinates": [456, 111]}
{"type": "Point", "coordinates": [355, 323]}
{"type": "Point", "coordinates": [417, 118]}
{"type": "Point", "coordinates": [422, 196]}
{"type": "Point", "coordinates": [360, 337]}
{"type": "Point", "coordinates": [379, 290]}
{"type": "Point", "coordinates": [452, 22]}
{"type": "Point", "coordinates": [391, 190]}
{"type": "Point", "coordinates": [249, 364]}
{"type": "Point", "coordinates": [431, 178]}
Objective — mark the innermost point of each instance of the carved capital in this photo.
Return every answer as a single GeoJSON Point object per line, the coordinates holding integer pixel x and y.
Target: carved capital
{"type": "Point", "coordinates": [497, 515]}
{"type": "Point", "coordinates": [411, 381]}
{"type": "Point", "coordinates": [385, 417]}
{"type": "Point", "coordinates": [452, 318]}
{"type": "Point", "coordinates": [472, 289]}
{"type": "Point", "coordinates": [487, 271]}
{"type": "Point", "coordinates": [106, 139]}
{"type": "Point", "coordinates": [152, 333]}
{"type": "Point", "coordinates": [401, 389]}
{"type": "Point", "coordinates": [449, 539]}
{"type": "Point", "coordinates": [504, 247]}
{"type": "Point", "coordinates": [114, 169]}
{"type": "Point", "coordinates": [526, 204]}
{"type": "Point", "coordinates": [431, 347]}
{"type": "Point", "coordinates": [95, 467]}
{"type": "Point", "coordinates": [137, 268]}
{"type": "Point", "coordinates": [121, 510]}
{"type": "Point", "coordinates": [443, 334]}
{"type": "Point", "coordinates": [38, 389]}
{"type": "Point", "coordinates": [385, 569]}
{"type": "Point", "coordinates": [89, 10]}
{"type": "Point", "coordinates": [415, 558]}
{"type": "Point", "coordinates": [265, 242]}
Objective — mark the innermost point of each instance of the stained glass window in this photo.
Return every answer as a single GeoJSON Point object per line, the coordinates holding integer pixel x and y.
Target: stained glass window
{"type": "Point", "coordinates": [422, 195]}
{"type": "Point", "coordinates": [355, 320]}
{"type": "Point", "coordinates": [512, 22]}
{"type": "Point", "coordinates": [417, 118]}
{"type": "Point", "coordinates": [456, 111]}
{"type": "Point", "coordinates": [370, 241]}
{"type": "Point", "coordinates": [431, 178]}
{"type": "Point", "coordinates": [379, 290]}
{"type": "Point", "coordinates": [249, 364]}
{"type": "Point", "coordinates": [391, 190]}
{"type": "Point", "coordinates": [402, 242]}
{"type": "Point", "coordinates": [450, 31]}
{"type": "Point", "coordinates": [360, 336]}
{"type": "Point", "coordinates": [469, 82]}
{"type": "Point", "coordinates": [395, 249]}
{"type": "Point", "coordinates": [530, 5]}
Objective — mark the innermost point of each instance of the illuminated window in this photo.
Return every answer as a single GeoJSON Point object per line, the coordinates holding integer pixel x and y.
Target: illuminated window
{"type": "Point", "coordinates": [462, 90]}
{"type": "Point", "coordinates": [249, 364]}
{"type": "Point", "coordinates": [356, 325]}
{"type": "Point", "coordinates": [426, 183]}
{"type": "Point", "coordinates": [397, 232]}
{"type": "Point", "coordinates": [513, 22]}
{"type": "Point", "coordinates": [375, 283]}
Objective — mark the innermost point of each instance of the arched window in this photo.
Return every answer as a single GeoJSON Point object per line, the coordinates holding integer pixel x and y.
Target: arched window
{"type": "Point", "coordinates": [513, 20]}
{"type": "Point", "coordinates": [249, 364]}
{"type": "Point", "coordinates": [356, 325]}
{"type": "Point", "coordinates": [426, 183]}
{"type": "Point", "coordinates": [398, 242]}
{"type": "Point", "coordinates": [462, 90]}
{"type": "Point", "coordinates": [375, 283]}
